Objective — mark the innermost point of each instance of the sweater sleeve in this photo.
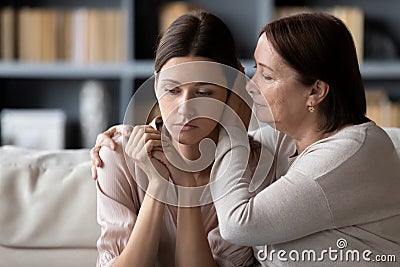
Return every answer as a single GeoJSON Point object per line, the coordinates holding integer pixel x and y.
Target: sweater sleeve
{"type": "Point", "coordinates": [117, 208]}
{"type": "Point", "coordinates": [227, 254]}
{"type": "Point", "coordinates": [292, 207]}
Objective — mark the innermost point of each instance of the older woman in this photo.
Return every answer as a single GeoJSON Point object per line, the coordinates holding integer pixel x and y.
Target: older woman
{"type": "Point", "coordinates": [334, 183]}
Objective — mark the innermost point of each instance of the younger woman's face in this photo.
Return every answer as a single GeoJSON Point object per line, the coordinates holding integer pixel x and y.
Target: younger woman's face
{"type": "Point", "coordinates": [191, 98]}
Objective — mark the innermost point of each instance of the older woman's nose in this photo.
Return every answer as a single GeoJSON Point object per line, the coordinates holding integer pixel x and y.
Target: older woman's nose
{"type": "Point", "coordinates": [252, 88]}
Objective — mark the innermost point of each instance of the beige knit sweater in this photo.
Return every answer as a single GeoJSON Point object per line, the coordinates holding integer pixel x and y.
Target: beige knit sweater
{"type": "Point", "coordinates": [336, 202]}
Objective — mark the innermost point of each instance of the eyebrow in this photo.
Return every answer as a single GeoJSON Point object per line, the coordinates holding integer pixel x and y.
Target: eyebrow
{"type": "Point", "coordinates": [262, 64]}
{"type": "Point", "coordinates": [268, 67]}
{"type": "Point", "coordinates": [179, 83]}
{"type": "Point", "coordinates": [172, 81]}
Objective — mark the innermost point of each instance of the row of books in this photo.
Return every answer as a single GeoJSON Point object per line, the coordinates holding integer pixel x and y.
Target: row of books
{"type": "Point", "coordinates": [381, 109]}
{"type": "Point", "coordinates": [352, 16]}
{"type": "Point", "coordinates": [80, 35]}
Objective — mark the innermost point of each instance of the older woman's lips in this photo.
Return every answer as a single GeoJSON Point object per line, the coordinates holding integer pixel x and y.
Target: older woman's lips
{"type": "Point", "coordinates": [259, 105]}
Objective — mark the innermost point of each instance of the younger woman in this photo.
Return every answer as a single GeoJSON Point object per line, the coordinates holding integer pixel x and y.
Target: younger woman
{"type": "Point", "coordinates": [137, 227]}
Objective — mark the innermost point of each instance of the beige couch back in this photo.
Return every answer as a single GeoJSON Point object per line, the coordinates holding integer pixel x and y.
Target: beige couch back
{"type": "Point", "coordinates": [47, 208]}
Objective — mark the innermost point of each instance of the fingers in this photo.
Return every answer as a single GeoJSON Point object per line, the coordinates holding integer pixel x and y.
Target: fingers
{"type": "Point", "coordinates": [104, 139]}
{"type": "Point", "coordinates": [159, 155]}
{"type": "Point", "coordinates": [143, 137]}
{"type": "Point", "coordinates": [122, 129]}
{"type": "Point", "coordinates": [94, 172]}
{"type": "Point", "coordinates": [95, 157]}
{"type": "Point", "coordinates": [101, 140]}
{"type": "Point", "coordinates": [95, 161]}
{"type": "Point", "coordinates": [153, 144]}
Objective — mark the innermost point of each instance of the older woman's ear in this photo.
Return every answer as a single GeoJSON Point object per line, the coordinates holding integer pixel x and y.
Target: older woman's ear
{"type": "Point", "coordinates": [319, 91]}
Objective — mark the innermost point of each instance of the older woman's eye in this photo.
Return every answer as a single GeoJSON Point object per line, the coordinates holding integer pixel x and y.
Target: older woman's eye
{"type": "Point", "coordinates": [267, 77]}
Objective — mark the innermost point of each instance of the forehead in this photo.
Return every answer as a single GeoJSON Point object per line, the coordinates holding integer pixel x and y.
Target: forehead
{"type": "Point", "coordinates": [264, 51]}
{"type": "Point", "coordinates": [194, 70]}
{"type": "Point", "coordinates": [267, 55]}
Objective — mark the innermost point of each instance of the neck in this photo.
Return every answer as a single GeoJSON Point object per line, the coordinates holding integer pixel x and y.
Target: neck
{"type": "Point", "coordinates": [192, 152]}
{"type": "Point", "coordinates": [308, 138]}
{"type": "Point", "coordinates": [303, 139]}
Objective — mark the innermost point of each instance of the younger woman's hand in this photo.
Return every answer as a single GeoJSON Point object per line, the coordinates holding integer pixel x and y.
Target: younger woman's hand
{"type": "Point", "coordinates": [105, 139]}
{"type": "Point", "coordinates": [178, 175]}
{"type": "Point", "coordinates": [143, 142]}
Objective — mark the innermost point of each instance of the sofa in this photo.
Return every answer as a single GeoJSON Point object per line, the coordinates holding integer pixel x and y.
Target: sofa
{"type": "Point", "coordinates": [48, 207]}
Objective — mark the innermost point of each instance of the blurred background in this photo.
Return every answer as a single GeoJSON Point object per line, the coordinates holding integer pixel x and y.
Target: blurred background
{"type": "Point", "coordinates": [68, 70]}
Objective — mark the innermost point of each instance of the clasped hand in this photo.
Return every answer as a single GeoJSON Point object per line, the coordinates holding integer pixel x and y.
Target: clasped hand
{"type": "Point", "coordinates": [150, 150]}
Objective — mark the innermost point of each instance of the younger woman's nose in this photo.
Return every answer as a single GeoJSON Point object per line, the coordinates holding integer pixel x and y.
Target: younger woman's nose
{"type": "Point", "coordinates": [186, 106]}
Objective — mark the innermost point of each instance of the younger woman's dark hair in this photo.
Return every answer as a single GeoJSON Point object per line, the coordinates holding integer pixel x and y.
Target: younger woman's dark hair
{"type": "Point", "coordinates": [197, 33]}
{"type": "Point", "coordinates": [319, 46]}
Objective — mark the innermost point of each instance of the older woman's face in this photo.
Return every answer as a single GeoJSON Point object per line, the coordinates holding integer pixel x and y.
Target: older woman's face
{"type": "Point", "coordinates": [190, 106]}
{"type": "Point", "coordinates": [279, 98]}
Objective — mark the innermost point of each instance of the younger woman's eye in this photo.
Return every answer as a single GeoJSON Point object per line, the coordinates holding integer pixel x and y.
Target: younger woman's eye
{"type": "Point", "coordinates": [203, 93]}
{"type": "Point", "coordinates": [171, 90]}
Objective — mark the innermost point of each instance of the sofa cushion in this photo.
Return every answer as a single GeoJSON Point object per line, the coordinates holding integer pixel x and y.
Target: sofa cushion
{"type": "Point", "coordinates": [394, 134]}
{"type": "Point", "coordinates": [47, 199]}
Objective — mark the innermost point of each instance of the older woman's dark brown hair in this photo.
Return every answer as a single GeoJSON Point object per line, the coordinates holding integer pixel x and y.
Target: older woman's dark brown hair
{"type": "Point", "coordinates": [319, 46]}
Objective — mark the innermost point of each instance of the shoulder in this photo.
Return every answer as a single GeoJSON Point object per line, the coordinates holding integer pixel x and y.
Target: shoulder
{"type": "Point", "coordinates": [329, 153]}
{"type": "Point", "coordinates": [117, 156]}
{"type": "Point", "coordinates": [351, 146]}
{"type": "Point", "coordinates": [118, 168]}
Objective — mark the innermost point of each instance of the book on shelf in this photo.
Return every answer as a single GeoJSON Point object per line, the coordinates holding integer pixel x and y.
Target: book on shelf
{"type": "Point", "coordinates": [172, 10]}
{"type": "Point", "coordinates": [381, 109]}
{"type": "Point", "coordinates": [81, 35]}
{"type": "Point", "coordinates": [352, 17]}
{"type": "Point", "coordinates": [7, 29]}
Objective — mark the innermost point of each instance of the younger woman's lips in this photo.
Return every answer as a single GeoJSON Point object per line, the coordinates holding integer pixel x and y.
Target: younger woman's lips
{"type": "Point", "coordinates": [185, 127]}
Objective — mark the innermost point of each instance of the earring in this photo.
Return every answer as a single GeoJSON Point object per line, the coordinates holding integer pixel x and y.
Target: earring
{"type": "Point", "coordinates": [311, 109]}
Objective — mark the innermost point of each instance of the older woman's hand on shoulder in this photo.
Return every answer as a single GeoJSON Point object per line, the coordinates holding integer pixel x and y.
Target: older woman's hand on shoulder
{"type": "Point", "coordinates": [106, 139]}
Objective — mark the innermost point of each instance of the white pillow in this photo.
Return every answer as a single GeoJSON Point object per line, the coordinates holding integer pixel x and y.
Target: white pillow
{"type": "Point", "coordinates": [47, 199]}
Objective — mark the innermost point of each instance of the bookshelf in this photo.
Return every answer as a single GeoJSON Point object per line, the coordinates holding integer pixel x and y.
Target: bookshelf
{"type": "Point", "coordinates": [139, 34]}
{"type": "Point", "coordinates": [25, 77]}
{"type": "Point", "coordinates": [380, 62]}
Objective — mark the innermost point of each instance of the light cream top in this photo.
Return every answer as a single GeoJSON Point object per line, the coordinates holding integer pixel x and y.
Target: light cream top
{"type": "Point", "coordinates": [119, 199]}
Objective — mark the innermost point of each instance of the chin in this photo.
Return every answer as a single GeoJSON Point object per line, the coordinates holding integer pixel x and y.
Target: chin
{"type": "Point", "coordinates": [186, 138]}
{"type": "Point", "coordinates": [266, 118]}
{"type": "Point", "coordinates": [188, 141]}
